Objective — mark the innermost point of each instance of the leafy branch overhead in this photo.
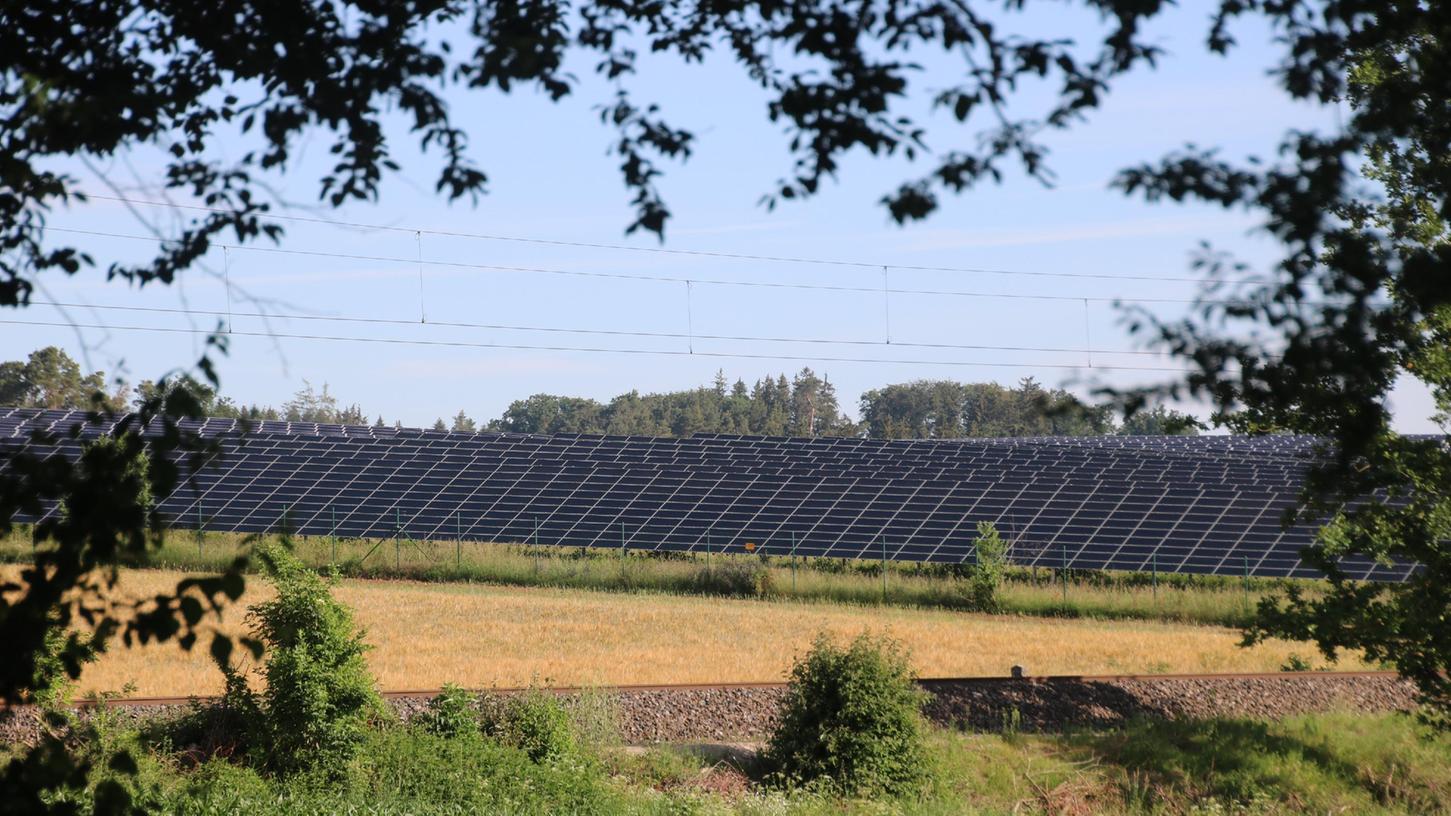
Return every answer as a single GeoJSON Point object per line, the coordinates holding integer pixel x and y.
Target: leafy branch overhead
{"type": "Point", "coordinates": [100, 79]}
{"type": "Point", "coordinates": [1359, 304]}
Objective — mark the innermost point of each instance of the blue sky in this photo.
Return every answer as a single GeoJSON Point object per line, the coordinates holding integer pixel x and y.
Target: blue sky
{"type": "Point", "coordinates": [551, 179]}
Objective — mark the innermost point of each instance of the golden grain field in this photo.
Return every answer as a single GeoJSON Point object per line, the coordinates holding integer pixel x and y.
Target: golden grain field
{"type": "Point", "coordinates": [427, 634]}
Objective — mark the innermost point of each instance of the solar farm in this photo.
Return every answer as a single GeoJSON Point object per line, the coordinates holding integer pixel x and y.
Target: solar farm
{"type": "Point", "coordinates": [1199, 505]}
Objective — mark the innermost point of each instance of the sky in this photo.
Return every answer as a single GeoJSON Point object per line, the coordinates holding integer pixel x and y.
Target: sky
{"type": "Point", "coordinates": [557, 299]}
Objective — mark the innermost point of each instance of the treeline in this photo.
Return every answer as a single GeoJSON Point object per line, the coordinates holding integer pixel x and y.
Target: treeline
{"type": "Point", "coordinates": [807, 405]}
{"type": "Point", "coordinates": [803, 405]}
{"type": "Point", "coordinates": [49, 378]}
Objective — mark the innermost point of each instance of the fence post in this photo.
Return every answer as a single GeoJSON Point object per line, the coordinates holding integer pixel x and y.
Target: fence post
{"type": "Point", "coordinates": [397, 539]}
{"type": "Point", "coordinates": [793, 562]}
{"type": "Point", "coordinates": [1246, 582]}
{"type": "Point", "coordinates": [884, 570]}
{"type": "Point", "coordinates": [622, 548]}
{"type": "Point", "coordinates": [1063, 571]}
{"type": "Point", "coordinates": [458, 542]}
{"type": "Point", "coordinates": [536, 545]}
{"type": "Point", "coordinates": [1155, 573]}
{"type": "Point", "coordinates": [199, 527]}
{"type": "Point", "coordinates": [333, 530]}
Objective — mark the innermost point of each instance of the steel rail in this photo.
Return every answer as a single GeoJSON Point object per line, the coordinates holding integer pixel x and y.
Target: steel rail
{"type": "Point", "coordinates": [926, 682]}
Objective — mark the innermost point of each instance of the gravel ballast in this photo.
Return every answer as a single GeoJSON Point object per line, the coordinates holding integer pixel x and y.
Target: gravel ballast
{"type": "Point", "coordinates": [749, 712]}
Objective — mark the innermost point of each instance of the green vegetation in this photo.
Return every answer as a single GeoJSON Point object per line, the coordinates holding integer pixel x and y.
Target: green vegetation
{"type": "Point", "coordinates": [49, 378]}
{"type": "Point", "coordinates": [1335, 763]}
{"type": "Point", "coordinates": [450, 713]}
{"type": "Point", "coordinates": [1377, 258]}
{"type": "Point", "coordinates": [318, 696]}
{"type": "Point", "coordinates": [1214, 600]}
{"type": "Point", "coordinates": [984, 583]}
{"type": "Point", "coordinates": [851, 722]}
{"type": "Point", "coordinates": [534, 722]}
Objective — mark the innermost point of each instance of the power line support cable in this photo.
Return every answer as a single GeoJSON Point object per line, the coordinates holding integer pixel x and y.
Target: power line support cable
{"type": "Point", "coordinates": [594, 349]}
{"type": "Point", "coordinates": [689, 321]}
{"type": "Point", "coordinates": [676, 279]}
{"type": "Point", "coordinates": [422, 315]}
{"type": "Point", "coordinates": [227, 283]}
{"type": "Point", "coordinates": [886, 306]}
{"type": "Point", "coordinates": [750, 338]}
{"type": "Point", "coordinates": [861, 264]}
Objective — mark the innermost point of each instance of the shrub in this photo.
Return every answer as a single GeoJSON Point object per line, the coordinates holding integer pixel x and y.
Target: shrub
{"type": "Point", "coordinates": [534, 722]}
{"type": "Point", "coordinates": [985, 579]}
{"type": "Point", "coordinates": [851, 721]}
{"type": "Point", "coordinates": [319, 695]}
{"type": "Point", "coordinates": [451, 713]}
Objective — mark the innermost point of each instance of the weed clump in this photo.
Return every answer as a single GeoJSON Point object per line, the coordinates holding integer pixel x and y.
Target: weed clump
{"type": "Point", "coordinates": [534, 722]}
{"type": "Point", "coordinates": [736, 578]}
{"type": "Point", "coordinates": [1295, 663]}
{"type": "Point", "coordinates": [319, 697]}
{"type": "Point", "coordinates": [451, 713]}
{"type": "Point", "coordinates": [852, 721]}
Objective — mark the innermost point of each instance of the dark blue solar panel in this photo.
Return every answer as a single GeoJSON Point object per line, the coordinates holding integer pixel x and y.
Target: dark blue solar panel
{"type": "Point", "coordinates": [1174, 504]}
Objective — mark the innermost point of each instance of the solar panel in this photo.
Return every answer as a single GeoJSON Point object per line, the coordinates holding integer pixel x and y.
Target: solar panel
{"type": "Point", "coordinates": [1208, 504]}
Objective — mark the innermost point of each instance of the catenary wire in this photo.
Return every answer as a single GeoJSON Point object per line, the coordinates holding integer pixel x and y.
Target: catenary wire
{"type": "Point", "coordinates": [605, 332]}
{"type": "Point", "coordinates": [658, 250]}
{"type": "Point", "coordinates": [590, 349]}
{"type": "Point", "coordinates": [664, 279]}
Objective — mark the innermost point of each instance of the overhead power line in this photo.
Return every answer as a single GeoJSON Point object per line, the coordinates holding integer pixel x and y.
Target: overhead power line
{"type": "Point", "coordinates": [587, 349]}
{"type": "Point", "coordinates": [688, 336]}
{"type": "Point", "coordinates": [659, 250]}
{"type": "Point", "coordinates": [411, 262]}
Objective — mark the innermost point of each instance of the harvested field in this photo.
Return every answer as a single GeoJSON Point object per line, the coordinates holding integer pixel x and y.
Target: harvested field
{"type": "Point", "coordinates": [427, 634]}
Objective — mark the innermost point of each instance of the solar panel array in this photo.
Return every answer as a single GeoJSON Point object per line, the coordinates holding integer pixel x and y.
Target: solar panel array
{"type": "Point", "coordinates": [1210, 504]}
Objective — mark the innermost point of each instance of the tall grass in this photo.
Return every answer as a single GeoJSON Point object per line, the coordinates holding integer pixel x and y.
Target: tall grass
{"type": "Point", "coordinates": [1215, 600]}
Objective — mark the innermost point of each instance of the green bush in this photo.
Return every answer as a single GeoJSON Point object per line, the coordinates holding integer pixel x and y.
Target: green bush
{"type": "Point", "coordinates": [319, 696]}
{"type": "Point", "coordinates": [852, 721]}
{"type": "Point", "coordinates": [451, 713]}
{"type": "Point", "coordinates": [535, 722]}
{"type": "Point", "coordinates": [985, 579]}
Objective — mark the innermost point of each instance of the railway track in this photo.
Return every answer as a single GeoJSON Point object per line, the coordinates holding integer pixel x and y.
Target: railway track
{"type": "Point", "coordinates": [928, 683]}
{"type": "Point", "coordinates": [696, 712]}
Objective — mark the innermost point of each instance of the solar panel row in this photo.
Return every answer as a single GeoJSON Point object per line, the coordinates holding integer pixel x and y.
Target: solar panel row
{"type": "Point", "coordinates": [1175, 504]}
